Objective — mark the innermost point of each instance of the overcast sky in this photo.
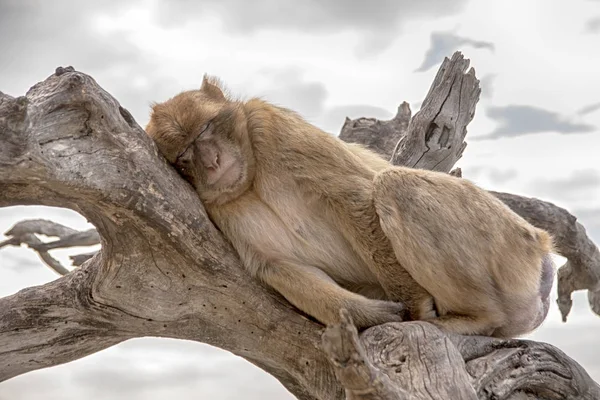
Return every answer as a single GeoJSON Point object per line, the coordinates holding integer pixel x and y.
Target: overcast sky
{"type": "Point", "coordinates": [536, 131]}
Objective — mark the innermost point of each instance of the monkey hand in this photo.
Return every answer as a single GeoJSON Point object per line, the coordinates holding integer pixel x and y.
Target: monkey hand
{"type": "Point", "coordinates": [422, 307]}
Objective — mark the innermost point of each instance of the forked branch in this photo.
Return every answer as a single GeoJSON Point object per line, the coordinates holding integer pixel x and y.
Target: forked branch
{"type": "Point", "coordinates": [25, 233]}
{"type": "Point", "coordinates": [164, 270]}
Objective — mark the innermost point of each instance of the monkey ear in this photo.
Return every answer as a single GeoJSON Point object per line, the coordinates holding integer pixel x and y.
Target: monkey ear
{"type": "Point", "coordinates": [211, 86]}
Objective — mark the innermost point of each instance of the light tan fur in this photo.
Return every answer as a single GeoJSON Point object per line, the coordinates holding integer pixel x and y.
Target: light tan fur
{"type": "Point", "coordinates": [329, 224]}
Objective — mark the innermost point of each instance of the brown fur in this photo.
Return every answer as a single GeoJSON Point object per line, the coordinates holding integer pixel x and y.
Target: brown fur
{"type": "Point", "coordinates": [329, 224]}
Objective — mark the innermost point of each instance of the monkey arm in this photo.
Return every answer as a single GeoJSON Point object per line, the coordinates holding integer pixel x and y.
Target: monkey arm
{"type": "Point", "coordinates": [317, 294]}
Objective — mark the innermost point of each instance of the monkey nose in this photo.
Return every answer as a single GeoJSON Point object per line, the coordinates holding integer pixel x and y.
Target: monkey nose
{"type": "Point", "coordinates": [210, 158]}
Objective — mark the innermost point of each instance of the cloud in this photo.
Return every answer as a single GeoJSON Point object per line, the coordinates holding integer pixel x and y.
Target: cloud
{"type": "Point", "coordinates": [589, 109]}
{"type": "Point", "coordinates": [174, 347]}
{"type": "Point", "coordinates": [517, 120]}
{"type": "Point", "coordinates": [445, 43]}
{"type": "Point", "coordinates": [137, 94]}
{"type": "Point", "coordinates": [593, 25]}
{"type": "Point", "coordinates": [124, 381]}
{"type": "Point", "coordinates": [288, 87]}
{"type": "Point", "coordinates": [317, 16]}
{"type": "Point", "coordinates": [152, 369]}
{"type": "Point", "coordinates": [34, 32]}
{"type": "Point", "coordinates": [38, 36]}
{"type": "Point", "coordinates": [578, 185]}
{"type": "Point", "coordinates": [493, 174]}
{"type": "Point", "coordinates": [486, 84]}
{"type": "Point", "coordinates": [376, 20]}
{"type": "Point", "coordinates": [21, 264]}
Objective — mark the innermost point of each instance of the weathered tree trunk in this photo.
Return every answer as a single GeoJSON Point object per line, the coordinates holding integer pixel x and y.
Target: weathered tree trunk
{"type": "Point", "coordinates": [164, 270]}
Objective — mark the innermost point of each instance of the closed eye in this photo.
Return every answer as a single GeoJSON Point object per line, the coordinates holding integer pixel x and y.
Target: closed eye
{"type": "Point", "coordinates": [177, 160]}
{"type": "Point", "coordinates": [203, 129]}
{"type": "Point", "coordinates": [187, 150]}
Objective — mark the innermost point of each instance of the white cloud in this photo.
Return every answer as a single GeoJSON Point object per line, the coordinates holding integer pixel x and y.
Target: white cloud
{"type": "Point", "coordinates": [543, 59]}
{"type": "Point", "coordinates": [376, 21]}
{"type": "Point", "coordinates": [593, 25]}
{"type": "Point", "coordinates": [517, 120]}
{"type": "Point", "coordinates": [444, 43]}
{"type": "Point", "coordinates": [149, 369]}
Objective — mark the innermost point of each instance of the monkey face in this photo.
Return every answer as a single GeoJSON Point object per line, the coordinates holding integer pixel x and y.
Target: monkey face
{"type": "Point", "coordinates": [204, 136]}
{"type": "Point", "coordinates": [208, 160]}
{"type": "Point", "coordinates": [214, 162]}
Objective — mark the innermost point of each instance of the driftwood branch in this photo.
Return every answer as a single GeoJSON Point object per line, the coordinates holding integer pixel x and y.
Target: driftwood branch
{"type": "Point", "coordinates": [397, 361]}
{"type": "Point", "coordinates": [384, 137]}
{"type": "Point", "coordinates": [418, 361]}
{"type": "Point", "coordinates": [164, 270]}
{"type": "Point", "coordinates": [435, 137]}
{"type": "Point", "coordinates": [24, 233]}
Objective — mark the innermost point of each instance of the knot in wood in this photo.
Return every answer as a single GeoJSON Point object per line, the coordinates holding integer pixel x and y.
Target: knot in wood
{"type": "Point", "coordinates": [61, 70]}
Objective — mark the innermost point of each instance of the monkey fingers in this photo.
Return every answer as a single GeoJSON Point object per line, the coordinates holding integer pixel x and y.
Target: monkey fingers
{"type": "Point", "coordinates": [315, 293]}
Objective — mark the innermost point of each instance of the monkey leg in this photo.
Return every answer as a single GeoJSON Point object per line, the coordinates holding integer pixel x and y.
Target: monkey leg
{"type": "Point", "coordinates": [350, 202]}
{"type": "Point", "coordinates": [465, 324]}
{"type": "Point", "coordinates": [400, 286]}
{"type": "Point", "coordinates": [315, 293]}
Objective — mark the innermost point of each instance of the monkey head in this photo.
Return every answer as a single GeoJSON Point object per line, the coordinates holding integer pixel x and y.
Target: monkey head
{"type": "Point", "coordinates": [204, 135]}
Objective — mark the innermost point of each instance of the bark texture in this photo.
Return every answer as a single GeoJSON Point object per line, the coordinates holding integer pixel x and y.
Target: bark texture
{"type": "Point", "coordinates": [165, 270]}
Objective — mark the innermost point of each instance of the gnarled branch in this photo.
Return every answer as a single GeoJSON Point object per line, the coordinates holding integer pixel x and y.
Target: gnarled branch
{"type": "Point", "coordinates": [24, 232]}
{"type": "Point", "coordinates": [164, 270]}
